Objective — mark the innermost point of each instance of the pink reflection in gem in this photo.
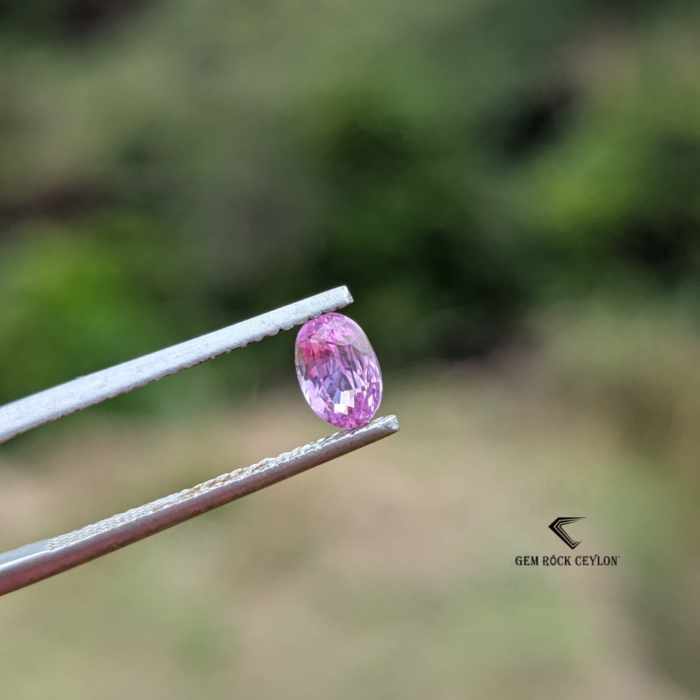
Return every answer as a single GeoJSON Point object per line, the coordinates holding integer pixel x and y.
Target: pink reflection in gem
{"type": "Point", "coordinates": [338, 371]}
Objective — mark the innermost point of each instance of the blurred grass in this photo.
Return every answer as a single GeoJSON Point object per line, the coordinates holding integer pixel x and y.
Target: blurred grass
{"type": "Point", "coordinates": [390, 573]}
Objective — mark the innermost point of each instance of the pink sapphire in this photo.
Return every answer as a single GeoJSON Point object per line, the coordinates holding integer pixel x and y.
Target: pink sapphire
{"type": "Point", "coordinates": [338, 371]}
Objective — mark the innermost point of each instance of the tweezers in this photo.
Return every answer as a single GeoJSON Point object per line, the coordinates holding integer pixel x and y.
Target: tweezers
{"type": "Point", "coordinates": [35, 562]}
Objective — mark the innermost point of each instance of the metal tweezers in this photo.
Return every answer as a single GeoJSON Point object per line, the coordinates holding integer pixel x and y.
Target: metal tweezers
{"type": "Point", "coordinates": [35, 562]}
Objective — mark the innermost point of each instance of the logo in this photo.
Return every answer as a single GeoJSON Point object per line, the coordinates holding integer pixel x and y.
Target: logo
{"type": "Point", "coordinates": [557, 527]}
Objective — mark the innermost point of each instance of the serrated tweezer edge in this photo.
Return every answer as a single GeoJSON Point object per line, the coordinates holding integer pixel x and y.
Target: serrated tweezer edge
{"type": "Point", "coordinates": [26, 565]}
{"type": "Point", "coordinates": [46, 406]}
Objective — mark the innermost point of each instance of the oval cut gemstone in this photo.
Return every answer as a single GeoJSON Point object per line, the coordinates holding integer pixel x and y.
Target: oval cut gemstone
{"type": "Point", "coordinates": [338, 371]}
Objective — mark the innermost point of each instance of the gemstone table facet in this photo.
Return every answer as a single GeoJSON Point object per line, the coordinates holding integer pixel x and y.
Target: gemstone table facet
{"type": "Point", "coordinates": [338, 371]}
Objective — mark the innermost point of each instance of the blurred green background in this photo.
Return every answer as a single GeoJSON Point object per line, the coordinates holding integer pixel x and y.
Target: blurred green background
{"type": "Point", "coordinates": [511, 191]}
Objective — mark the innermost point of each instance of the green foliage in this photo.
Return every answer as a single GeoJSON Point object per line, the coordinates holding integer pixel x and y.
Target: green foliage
{"type": "Point", "coordinates": [455, 165]}
{"type": "Point", "coordinates": [622, 192]}
{"type": "Point", "coordinates": [47, 20]}
{"type": "Point", "coordinates": [76, 301]}
{"type": "Point", "coordinates": [68, 308]}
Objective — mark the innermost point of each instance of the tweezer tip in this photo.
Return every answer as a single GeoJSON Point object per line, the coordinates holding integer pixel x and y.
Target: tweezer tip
{"type": "Point", "coordinates": [346, 294]}
{"type": "Point", "coordinates": [392, 422]}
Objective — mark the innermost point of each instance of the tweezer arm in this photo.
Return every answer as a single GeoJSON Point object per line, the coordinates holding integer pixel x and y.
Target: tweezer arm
{"type": "Point", "coordinates": [27, 565]}
{"type": "Point", "coordinates": [35, 410]}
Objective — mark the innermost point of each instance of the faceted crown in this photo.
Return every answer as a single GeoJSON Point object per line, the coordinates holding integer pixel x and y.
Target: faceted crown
{"type": "Point", "coordinates": [338, 371]}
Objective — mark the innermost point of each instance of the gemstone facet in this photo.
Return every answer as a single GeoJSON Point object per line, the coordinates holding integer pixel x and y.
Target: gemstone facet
{"type": "Point", "coordinates": [338, 371]}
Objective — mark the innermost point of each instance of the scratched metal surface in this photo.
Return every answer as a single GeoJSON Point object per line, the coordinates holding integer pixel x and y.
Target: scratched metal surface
{"type": "Point", "coordinates": [32, 563]}
{"type": "Point", "coordinates": [35, 410]}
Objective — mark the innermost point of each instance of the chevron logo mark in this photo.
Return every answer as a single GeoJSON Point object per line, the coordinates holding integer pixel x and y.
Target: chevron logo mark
{"type": "Point", "coordinates": [557, 527]}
